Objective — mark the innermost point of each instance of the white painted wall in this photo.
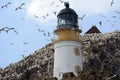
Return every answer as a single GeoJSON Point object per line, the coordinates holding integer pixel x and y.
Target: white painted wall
{"type": "Point", "coordinates": [65, 59]}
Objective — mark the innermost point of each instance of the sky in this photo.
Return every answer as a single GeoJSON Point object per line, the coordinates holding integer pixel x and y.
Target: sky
{"type": "Point", "coordinates": [40, 14]}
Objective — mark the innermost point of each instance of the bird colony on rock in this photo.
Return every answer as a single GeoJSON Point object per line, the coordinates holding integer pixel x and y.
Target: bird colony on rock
{"type": "Point", "coordinates": [101, 60]}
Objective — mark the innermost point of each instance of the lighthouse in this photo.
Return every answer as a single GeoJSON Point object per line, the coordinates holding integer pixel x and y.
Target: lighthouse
{"type": "Point", "coordinates": [67, 44]}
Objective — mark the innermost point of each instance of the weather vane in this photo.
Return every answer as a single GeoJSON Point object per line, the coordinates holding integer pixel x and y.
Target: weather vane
{"type": "Point", "coordinates": [66, 4]}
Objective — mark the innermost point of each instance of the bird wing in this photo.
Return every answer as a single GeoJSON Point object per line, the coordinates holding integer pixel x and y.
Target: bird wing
{"type": "Point", "coordinates": [15, 31]}
{"type": "Point", "coordinates": [22, 4]}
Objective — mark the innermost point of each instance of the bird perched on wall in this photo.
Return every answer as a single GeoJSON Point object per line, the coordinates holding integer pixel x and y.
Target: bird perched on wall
{"type": "Point", "coordinates": [20, 7]}
{"type": "Point", "coordinates": [6, 5]}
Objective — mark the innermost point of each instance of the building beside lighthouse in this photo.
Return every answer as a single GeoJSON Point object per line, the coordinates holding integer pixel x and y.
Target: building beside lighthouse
{"type": "Point", "coordinates": [67, 44]}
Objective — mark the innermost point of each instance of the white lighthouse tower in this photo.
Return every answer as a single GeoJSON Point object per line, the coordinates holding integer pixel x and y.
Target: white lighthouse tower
{"type": "Point", "coordinates": [67, 45]}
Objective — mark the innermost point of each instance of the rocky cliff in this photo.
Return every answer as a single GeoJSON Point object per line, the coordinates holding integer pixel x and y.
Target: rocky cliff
{"type": "Point", "coordinates": [101, 60]}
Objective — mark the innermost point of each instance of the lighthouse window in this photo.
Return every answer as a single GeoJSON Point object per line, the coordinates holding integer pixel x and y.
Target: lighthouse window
{"type": "Point", "coordinates": [62, 21]}
{"type": "Point", "coordinates": [77, 51]}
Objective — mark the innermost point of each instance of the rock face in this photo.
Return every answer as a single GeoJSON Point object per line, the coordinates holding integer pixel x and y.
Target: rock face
{"type": "Point", "coordinates": [101, 59]}
{"type": "Point", "coordinates": [36, 66]}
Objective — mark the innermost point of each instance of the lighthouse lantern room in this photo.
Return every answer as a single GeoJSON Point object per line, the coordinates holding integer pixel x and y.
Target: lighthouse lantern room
{"type": "Point", "coordinates": [67, 45]}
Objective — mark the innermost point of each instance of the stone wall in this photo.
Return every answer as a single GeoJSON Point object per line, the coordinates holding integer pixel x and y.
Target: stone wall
{"type": "Point", "coordinates": [101, 59]}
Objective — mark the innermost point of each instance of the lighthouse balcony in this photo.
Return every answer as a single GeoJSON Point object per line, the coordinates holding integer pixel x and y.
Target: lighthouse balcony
{"type": "Point", "coordinates": [67, 34]}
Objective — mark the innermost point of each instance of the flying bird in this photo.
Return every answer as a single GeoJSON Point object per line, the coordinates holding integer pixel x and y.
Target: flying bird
{"type": "Point", "coordinates": [118, 18]}
{"type": "Point", "coordinates": [22, 18]}
{"type": "Point", "coordinates": [6, 29]}
{"type": "Point", "coordinates": [40, 30]}
{"type": "Point", "coordinates": [117, 12]}
{"type": "Point", "coordinates": [112, 2]}
{"type": "Point", "coordinates": [44, 34]}
{"type": "Point", "coordinates": [11, 43]}
{"type": "Point", "coordinates": [108, 20]}
{"type": "Point", "coordinates": [6, 5]}
{"type": "Point", "coordinates": [36, 16]}
{"type": "Point", "coordinates": [48, 34]}
{"type": "Point", "coordinates": [61, 1]}
{"type": "Point", "coordinates": [20, 7]}
{"type": "Point", "coordinates": [25, 42]}
{"type": "Point", "coordinates": [113, 16]}
{"type": "Point", "coordinates": [47, 15]}
{"type": "Point", "coordinates": [22, 4]}
{"type": "Point", "coordinates": [57, 6]}
{"type": "Point", "coordinates": [82, 17]}
{"type": "Point", "coordinates": [2, 29]}
{"type": "Point", "coordinates": [52, 40]}
{"type": "Point", "coordinates": [55, 13]}
{"type": "Point", "coordinates": [100, 23]}
{"type": "Point", "coordinates": [44, 17]}
{"type": "Point", "coordinates": [51, 3]}
{"type": "Point", "coordinates": [103, 16]}
{"type": "Point", "coordinates": [23, 56]}
{"type": "Point", "coordinates": [36, 25]}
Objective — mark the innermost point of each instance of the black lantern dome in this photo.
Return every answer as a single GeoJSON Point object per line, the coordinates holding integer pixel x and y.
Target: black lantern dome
{"type": "Point", "coordinates": [67, 18]}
